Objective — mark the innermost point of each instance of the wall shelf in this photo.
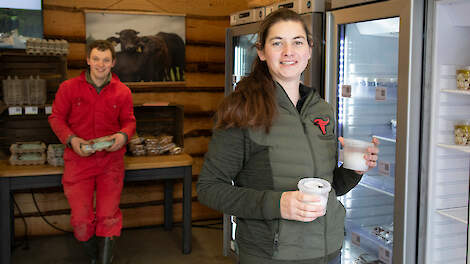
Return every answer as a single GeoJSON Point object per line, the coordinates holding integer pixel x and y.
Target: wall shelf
{"type": "Point", "coordinates": [460, 214]}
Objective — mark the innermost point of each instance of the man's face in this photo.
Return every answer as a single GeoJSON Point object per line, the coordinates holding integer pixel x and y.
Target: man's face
{"type": "Point", "coordinates": [100, 63]}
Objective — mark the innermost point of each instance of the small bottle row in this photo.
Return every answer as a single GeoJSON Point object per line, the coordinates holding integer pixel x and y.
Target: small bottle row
{"type": "Point", "coordinates": [30, 91]}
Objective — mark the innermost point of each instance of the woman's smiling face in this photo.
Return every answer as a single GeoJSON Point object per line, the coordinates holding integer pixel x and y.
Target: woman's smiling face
{"type": "Point", "coordinates": [286, 51]}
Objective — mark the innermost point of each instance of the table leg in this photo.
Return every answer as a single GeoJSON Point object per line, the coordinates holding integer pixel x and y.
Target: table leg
{"type": "Point", "coordinates": [187, 197]}
{"type": "Point", "coordinates": [168, 205]}
{"type": "Point", "coordinates": [5, 218]}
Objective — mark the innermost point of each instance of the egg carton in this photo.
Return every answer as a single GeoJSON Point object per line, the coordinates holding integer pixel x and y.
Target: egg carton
{"type": "Point", "coordinates": [37, 46]}
{"type": "Point", "coordinates": [27, 147]}
{"type": "Point", "coordinates": [34, 158]}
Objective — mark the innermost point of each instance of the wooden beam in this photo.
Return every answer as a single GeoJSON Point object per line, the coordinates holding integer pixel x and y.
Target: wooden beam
{"type": "Point", "coordinates": [194, 102]}
{"type": "Point", "coordinates": [194, 53]}
{"type": "Point", "coordinates": [194, 7]}
{"type": "Point", "coordinates": [196, 145]}
{"type": "Point", "coordinates": [192, 123]}
{"type": "Point", "coordinates": [206, 31]}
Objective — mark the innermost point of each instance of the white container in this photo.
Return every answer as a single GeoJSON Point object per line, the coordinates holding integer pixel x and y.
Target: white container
{"type": "Point", "coordinates": [316, 186]}
{"type": "Point", "coordinates": [353, 154]}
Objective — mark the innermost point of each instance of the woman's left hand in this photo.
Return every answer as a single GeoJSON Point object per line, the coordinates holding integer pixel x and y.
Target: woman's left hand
{"type": "Point", "coordinates": [371, 156]}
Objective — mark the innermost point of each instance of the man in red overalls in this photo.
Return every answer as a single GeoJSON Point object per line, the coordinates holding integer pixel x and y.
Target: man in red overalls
{"type": "Point", "coordinates": [92, 105]}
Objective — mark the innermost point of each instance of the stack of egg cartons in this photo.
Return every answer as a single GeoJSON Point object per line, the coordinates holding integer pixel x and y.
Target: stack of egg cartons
{"type": "Point", "coordinates": [55, 154]}
{"type": "Point", "coordinates": [28, 153]}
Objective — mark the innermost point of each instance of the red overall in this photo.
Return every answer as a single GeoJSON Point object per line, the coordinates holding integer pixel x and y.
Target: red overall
{"type": "Point", "coordinates": [79, 110]}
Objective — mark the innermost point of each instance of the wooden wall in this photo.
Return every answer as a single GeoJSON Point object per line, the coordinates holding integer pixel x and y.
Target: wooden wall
{"type": "Point", "coordinates": [206, 21]}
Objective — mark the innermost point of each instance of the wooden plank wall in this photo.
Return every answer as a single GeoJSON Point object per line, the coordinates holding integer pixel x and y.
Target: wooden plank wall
{"type": "Point", "coordinates": [206, 21]}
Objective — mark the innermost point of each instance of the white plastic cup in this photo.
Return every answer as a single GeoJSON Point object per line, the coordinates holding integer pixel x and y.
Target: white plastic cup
{"type": "Point", "coordinates": [353, 154]}
{"type": "Point", "coordinates": [316, 186]}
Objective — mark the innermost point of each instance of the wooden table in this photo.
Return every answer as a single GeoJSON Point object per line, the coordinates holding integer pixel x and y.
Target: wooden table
{"type": "Point", "coordinates": [166, 167]}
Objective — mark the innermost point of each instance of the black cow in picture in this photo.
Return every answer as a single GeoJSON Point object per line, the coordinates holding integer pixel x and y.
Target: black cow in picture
{"type": "Point", "coordinates": [159, 57]}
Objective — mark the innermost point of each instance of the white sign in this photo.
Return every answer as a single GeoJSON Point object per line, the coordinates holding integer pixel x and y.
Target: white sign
{"type": "Point", "coordinates": [380, 93]}
{"type": "Point", "coordinates": [384, 168]}
{"type": "Point", "coordinates": [48, 110]}
{"type": "Point", "coordinates": [15, 110]}
{"type": "Point", "coordinates": [355, 239]}
{"type": "Point", "coordinates": [31, 110]}
{"type": "Point", "coordinates": [385, 255]}
{"type": "Point", "coordinates": [346, 90]}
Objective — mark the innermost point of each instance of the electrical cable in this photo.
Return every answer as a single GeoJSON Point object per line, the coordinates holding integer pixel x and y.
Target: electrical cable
{"type": "Point", "coordinates": [44, 218]}
{"type": "Point", "coordinates": [25, 237]}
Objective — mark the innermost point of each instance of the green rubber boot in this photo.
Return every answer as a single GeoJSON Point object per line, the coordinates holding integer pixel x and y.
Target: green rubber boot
{"type": "Point", "coordinates": [91, 248]}
{"type": "Point", "coordinates": [108, 248]}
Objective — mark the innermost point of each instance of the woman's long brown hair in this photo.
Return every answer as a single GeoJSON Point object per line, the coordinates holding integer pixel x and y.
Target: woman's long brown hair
{"type": "Point", "coordinates": [253, 103]}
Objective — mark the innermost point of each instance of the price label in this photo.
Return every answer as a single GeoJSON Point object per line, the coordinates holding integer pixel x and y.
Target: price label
{"type": "Point", "coordinates": [355, 239]}
{"type": "Point", "coordinates": [385, 255]}
{"type": "Point", "coordinates": [48, 110]}
{"type": "Point", "coordinates": [15, 110]}
{"type": "Point", "coordinates": [31, 110]}
{"type": "Point", "coordinates": [384, 168]}
{"type": "Point", "coordinates": [346, 90]}
{"type": "Point", "coordinates": [380, 93]}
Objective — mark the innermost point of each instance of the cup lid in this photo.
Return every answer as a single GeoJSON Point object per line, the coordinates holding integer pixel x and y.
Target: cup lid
{"type": "Point", "coordinates": [314, 186]}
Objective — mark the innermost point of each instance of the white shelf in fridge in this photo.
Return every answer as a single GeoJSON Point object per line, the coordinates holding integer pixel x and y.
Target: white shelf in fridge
{"type": "Point", "coordinates": [455, 147]}
{"type": "Point", "coordinates": [459, 214]}
{"type": "Point", "coordinates": [389, 139]}
{"type": "Point", "coordinates": [379, 183]}
{"type": "Point", "coordinates": [362, 237]}
{"type": "Point", "coordinates": [455, 91]}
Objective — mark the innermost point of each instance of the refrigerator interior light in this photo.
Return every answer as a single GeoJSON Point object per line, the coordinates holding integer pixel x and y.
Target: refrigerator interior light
{"type": "Point", "coordinates": [383, 27]}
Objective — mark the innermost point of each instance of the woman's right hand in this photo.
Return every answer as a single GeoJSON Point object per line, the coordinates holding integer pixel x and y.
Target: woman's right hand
{"type": "Point", "coordinates": [298, 206]}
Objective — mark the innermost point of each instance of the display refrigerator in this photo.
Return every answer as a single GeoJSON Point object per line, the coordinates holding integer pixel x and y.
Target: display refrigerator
{"type": "Point", "coordinates": [445, 164]}
{"type": "Point", "coordinates": [373, 79]}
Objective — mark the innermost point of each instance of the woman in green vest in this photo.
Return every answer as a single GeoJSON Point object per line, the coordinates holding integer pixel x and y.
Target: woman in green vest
{"type": "Point", "coordinates": [271, 132]}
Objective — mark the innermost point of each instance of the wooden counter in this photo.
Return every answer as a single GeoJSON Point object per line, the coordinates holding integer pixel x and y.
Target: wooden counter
{"type": "Point", "coordinates": [165, 167]}
{"type": "Point", "coordinates": [131, 163]}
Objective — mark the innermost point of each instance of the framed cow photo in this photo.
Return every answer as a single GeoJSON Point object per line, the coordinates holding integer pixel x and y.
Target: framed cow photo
{"type": "Point", "coordinates": [150, 47]}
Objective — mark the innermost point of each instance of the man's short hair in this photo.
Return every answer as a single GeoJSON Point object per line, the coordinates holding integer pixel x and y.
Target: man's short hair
{"type": "Point", "coordinates": [101, 45]}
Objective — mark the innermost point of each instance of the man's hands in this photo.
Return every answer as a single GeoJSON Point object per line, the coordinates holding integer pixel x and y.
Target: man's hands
{"type": "Point", "coordinates": [299, 206]}
{"type": "Point", "coordinates": [119, 142]}
{"type": "Point", "coordinates": [75, 142]}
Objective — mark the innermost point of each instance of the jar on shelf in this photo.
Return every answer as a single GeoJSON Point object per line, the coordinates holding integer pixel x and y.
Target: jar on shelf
{"type": "Point", "coordinates": [462, 133]}
{"type": "Point", "coordinates": [463, 78]}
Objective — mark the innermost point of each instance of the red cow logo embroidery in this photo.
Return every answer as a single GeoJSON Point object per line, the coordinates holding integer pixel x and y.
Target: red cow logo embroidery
{"type": "Point", "coordinates": [321, 124]}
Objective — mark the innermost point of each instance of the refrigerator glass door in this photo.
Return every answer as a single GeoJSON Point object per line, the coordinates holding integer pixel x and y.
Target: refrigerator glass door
{"type": "Point", "coordinates": [447, 164]}
{"type": "Point", "coordinates": [244, 53]}
{"type": "Point", "coordinates": [366, 99]}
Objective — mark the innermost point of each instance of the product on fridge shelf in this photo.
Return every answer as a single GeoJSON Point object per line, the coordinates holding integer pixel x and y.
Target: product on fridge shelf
{"type": "Point", "coordinates": [463, 78]}
{"type": "Point", "coordinates": [462, 133]}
